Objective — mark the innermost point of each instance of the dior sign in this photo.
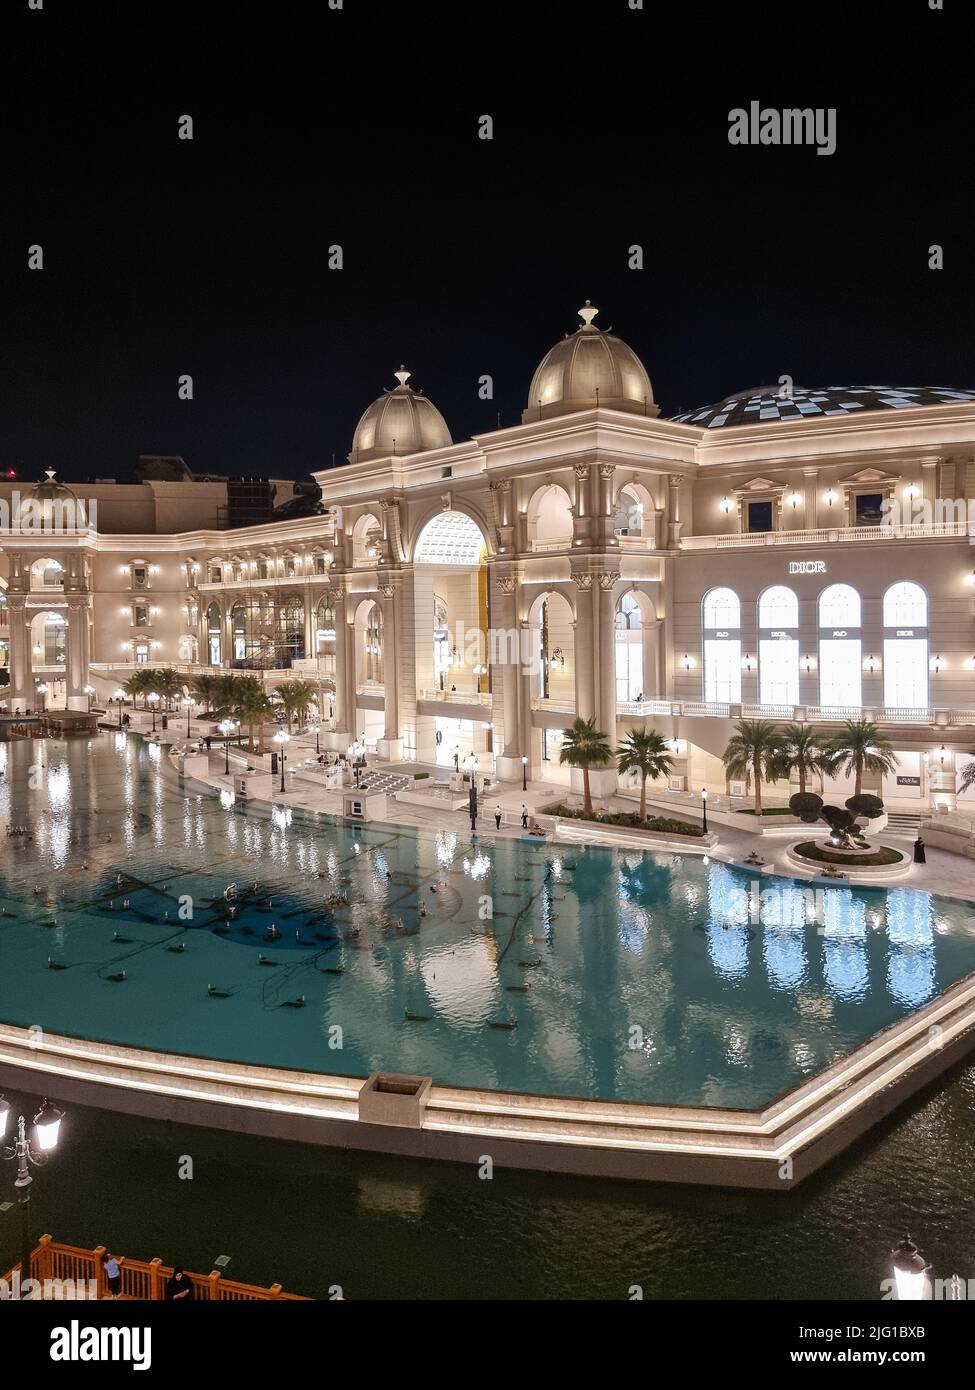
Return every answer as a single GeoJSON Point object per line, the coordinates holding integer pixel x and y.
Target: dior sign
{"type": "Point", "coordinates": [807, 566]}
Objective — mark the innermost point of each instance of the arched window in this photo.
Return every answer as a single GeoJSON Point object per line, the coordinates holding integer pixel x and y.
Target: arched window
{"type": "Point", "coordinates": [372, 654]}
{"type": "Point", "coordinates": [325, 622]}
{"type": "Point", "coordinates": [214, 635]}
{"type": "Point", "coordinates": [778, 647]}
{"type": "Point", "coordinates": [721, 609]}
{"type": "Point", "coordinates": [840, 648]}
{"type": "Point", "coordinates": [839, 606]}
{"type": "Point", "coordinates": [778, 607]}
{"type": "Point", "coordinates": [238, 630]}
{"type": "Point", "coordinates": [905, 605]}
{"type": "Point", "coordinates": [722, 646]}
{"type": "Point", "coordinates": [291, 630]}
{"type": "Point", "coordinates": [905, 646]}
{"type": "Point", "coordinates": [630, 683]}
{"type": "Point", "coordinates": [441, 641]}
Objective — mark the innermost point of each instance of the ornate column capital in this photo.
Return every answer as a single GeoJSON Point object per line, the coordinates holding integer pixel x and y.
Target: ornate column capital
{"type": "Point", "coordinates": [582, 581]}
{"type": "Point", "coordinates": [608, 580]}
{"type": "Point", "coordinates": [581, 470]}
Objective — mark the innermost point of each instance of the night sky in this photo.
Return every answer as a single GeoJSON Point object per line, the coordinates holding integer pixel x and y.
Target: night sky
{"type": "Point", "coordinates": [462, 256]}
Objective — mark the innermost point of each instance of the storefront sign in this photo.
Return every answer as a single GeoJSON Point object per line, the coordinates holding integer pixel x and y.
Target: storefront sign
{"type": "Point", "coordinates": [908, 781]}
{"type": "Point", "coordinates": [807, 566]}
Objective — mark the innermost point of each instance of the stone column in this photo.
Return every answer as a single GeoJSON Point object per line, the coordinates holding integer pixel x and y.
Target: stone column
{"type": "Point", "coordinates": [19, 651]}
{"type": "Point", "coordinates": [391, 744]}
{"type": "Point", "coordinates": [506, 659]}
{"type": "Point", "coordinates": [76, 674]}
{"type": "Point", "coordinates": [344, 676]}
{"type": "Point", "coordinates": [811, 518]}
{"type": "Point", "coordinates": [605, 602]}
{"type": "Point", "coordinates": [673, 511]}
{"type": "Point", "coordinates": [584, 641]}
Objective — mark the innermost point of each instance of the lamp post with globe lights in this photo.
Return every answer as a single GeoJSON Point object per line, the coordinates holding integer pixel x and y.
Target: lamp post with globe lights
{"type": "Point", "coordinates": [152, 699]}
{"type": "Point", "coordinates": [29, 1152]}
{"type": "Point", "coordinates": [226, 727]}
{"type": "Point", "coordinates": [524, 773]}
{"type": "Point", "coordinates": [704, 808]}
{"type": "Point", "coordinates": [120, 697]}
{"type": "Point", "coordinates": [188, 701]}
{"type": "Point", "coordinates": [282, 738]}
{"type": "Point", "coordinates": [88, 690]}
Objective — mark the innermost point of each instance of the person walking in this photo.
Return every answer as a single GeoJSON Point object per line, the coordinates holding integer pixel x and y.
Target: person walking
{"type": "Point", "coordinates": [919, 851]}
{"type": "Point", "coordinates": [524, 816]}
{"type": "Point", "coordinates": [179, 1289]}
{"type": "Point", "coordinates": [497, 816]}
{"type": "Point", "coordinates": [112, 1265]}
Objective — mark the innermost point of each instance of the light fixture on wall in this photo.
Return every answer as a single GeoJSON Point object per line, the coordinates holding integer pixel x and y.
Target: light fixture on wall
{"type": "Point", "coordinates": [942, 754]}
{"type": "Point", "coordinates": [686, 662]}
{"type": "Point", "coordinates": [725, 505]}
{"type": "Point", "coordinates": [748, 662]}
{"type": "Point", "coordinates": [831, 497]}
{"type": "Point", "coordinates": [794, 500]}
{"type": "Point", "coordinates": [911, 491]}
{"type": "Point", "coordinates": [808, 662]}
{"type": "Point", "coordinates": [938, 664]}
{"type": "Point", "coordinates": [871, 665]}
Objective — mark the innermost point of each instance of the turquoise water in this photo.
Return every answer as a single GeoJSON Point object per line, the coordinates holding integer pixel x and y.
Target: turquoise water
{"type": "Point", "coordinates": [628, 976]}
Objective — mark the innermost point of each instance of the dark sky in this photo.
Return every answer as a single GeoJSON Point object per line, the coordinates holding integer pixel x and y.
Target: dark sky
{"type": "Point", "coordinates": [462, 256]}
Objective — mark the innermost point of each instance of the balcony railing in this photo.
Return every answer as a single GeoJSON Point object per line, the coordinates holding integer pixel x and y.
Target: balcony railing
{"type": "Point", "coordinates": [825, 535]}
{"type": "Point", "coordinates": [459, 697]}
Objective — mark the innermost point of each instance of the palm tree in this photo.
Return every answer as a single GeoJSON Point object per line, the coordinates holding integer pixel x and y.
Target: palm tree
{"type": "Point", "coordinates": [168, 685]}
{"type": "Point", "coordinates": [205, 688]}
{"type": "Point", "coordinates": [860, 747]}
{"type": "Point", "coordinates": [585, 746]}
{"type": "Point", "coordinates": [803, 752]}
{"type": "Point", "coordinates": [295, 697]}
{"type": "Point", "coordinates": [140, 683]}
{"type": "Point", "coordinates": [253, 707]}
{"type": "Point", "coordinates": [644, 751]}
{"type": "Point", "coordinates": [754, 751]}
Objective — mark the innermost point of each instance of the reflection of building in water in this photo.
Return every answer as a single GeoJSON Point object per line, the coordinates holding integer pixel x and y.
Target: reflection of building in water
{"type": "Point", "coordinates": [845, 965]}
{"type": "Point", "coordinates": [910, 931]}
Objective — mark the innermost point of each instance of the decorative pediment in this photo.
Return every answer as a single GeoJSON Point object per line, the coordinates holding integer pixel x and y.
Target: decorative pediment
{"type": "Point", "coordinates": [870, 477]}
{"type": "Point", "coordinates": [760, 485]}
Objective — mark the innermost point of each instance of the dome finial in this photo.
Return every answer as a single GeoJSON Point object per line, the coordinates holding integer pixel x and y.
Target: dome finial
{"type": "Point", "coordinates": [50, 474]}
{"type": "Point", "coordinates": [402, 376]}
{"type": "Point", "coordinates": [587, 313]}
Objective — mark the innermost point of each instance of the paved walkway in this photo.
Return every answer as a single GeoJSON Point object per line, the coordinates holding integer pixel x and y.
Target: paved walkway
{"type": "Point", "coordinates": [944, 873]}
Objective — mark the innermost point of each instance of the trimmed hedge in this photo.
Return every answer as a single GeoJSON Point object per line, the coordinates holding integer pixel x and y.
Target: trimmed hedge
{"type": "Point", "coordinates": [666, 824]}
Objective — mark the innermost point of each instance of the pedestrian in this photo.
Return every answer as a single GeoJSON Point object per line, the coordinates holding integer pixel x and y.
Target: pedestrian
{"type": "Point", "coordinates": [524, 816]}
{"type": "Point", "coordinates": [179, 1289]}
{"type": "Point", "coordinates": [497, 816]}
{"type": "Point", "coordinates": [919, 851]}
{"type": "Point", "coordinates": [112, 1265]}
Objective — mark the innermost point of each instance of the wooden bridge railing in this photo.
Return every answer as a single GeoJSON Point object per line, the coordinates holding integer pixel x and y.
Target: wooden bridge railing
{"type": "Point", "coordinates": [141, 1279]}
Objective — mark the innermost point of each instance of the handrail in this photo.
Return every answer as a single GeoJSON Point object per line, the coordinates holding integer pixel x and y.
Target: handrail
{"type": "Point", "coordinates": [144, 1280]}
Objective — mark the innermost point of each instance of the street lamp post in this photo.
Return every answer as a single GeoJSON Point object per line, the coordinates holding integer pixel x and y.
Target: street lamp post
{"type": "Point", "coordinates": [120, 697]}
{"type": "Point", "coordinates": [29, 1153]}
{"type": "Point", "coordinates": [316, 731]}
{"type": "Point", "coordinates": [89, 690]}
{"type": "Point", "coordinates": [188, 702]}
{"type": "Point", "coordinates": [704, 806]}
{"type": "Point", "coordinates": [226, 727]}
{"type": "Point", "coordinates": [153, 700]}
{"type": "Point", "coordinates": [524, 773]}
{"type": "Point", "coordinates": [281, 738]}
